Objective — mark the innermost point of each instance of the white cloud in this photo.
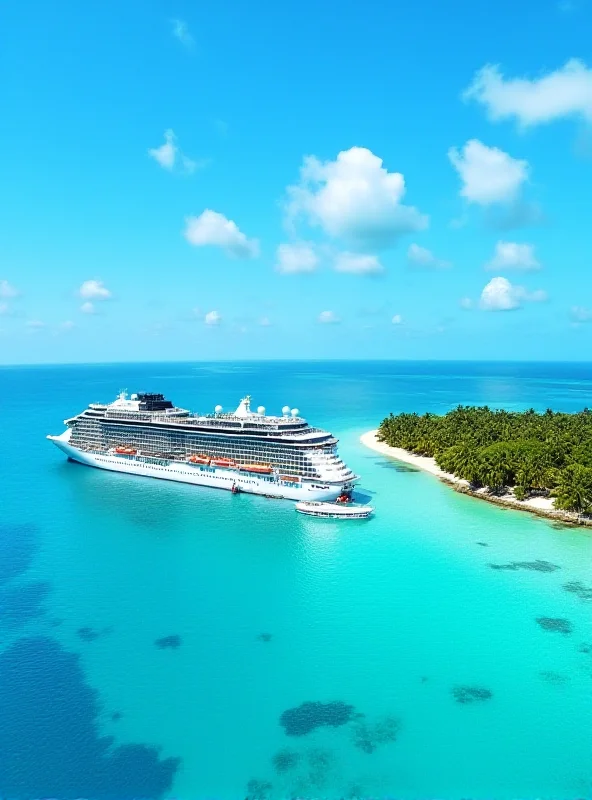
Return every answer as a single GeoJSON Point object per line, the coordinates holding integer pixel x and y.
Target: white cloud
{"type": "Point", "coordinates": [512, 255]}
{"type": "Point", "coordinates": [357, 264]}
{"type": "Point", "coordinates": [212, 228]}
{"type": "Point", "coordinates": [168, 155]}
{"type": "Point", "coordinates": [8, 291]}
{"type": "Point", "coordinates": [94, 290]}
{"type": "Point", "coordinates": [501, 295]}
{"type": "Point", "coordinates": [265, 322]}
{"type": "Point", "coordinates": [67, 325]}
{"type": "Point", "coordinates": [466, 303]}
{"type": "Point", "coordinates": [181, 32]}
{"type": "Point", "coordinates": [580, 314]}
{"type": "Point", "coordinates": [87, 308]}
{"type": "Point", "coordinates": [4, 308]}
{"type": "Point", "coordinates": [35, 324]}
{"type": "Point", "coordinates": [354, 197]}
{"type": "Point", "coordinates": [294, 258]}
{"type": "Point", "coordinates": [212, 318]}
{"type": "Point", "coordinates": [397, 319]}
{"type": "Point", "coordinates": [488, 174]}
{"type": "Point", "coordinates": [422, 257]}
{"type": "Point", "coordinates": [328, 317]}
{"type": "Point", "coordinates": [566, 92]}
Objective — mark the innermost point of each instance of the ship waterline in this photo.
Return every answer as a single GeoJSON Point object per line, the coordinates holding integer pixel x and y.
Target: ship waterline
{"type": "Point", "coordinates": [278, 456]}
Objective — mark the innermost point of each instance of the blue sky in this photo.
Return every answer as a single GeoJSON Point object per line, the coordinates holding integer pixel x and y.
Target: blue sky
{"type": "Point", "coordinates": [295, 180]}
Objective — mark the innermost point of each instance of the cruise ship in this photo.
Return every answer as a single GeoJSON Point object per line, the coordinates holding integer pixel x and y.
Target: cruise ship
{"type": "Point", "coordinates": [242, 451]}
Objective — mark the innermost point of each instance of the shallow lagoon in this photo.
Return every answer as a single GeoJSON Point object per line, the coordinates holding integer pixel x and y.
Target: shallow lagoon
{"type": "Point", "coordinates": [455, 689]}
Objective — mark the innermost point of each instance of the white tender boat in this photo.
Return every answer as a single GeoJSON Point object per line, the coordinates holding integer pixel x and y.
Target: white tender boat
{"type": "Point", "coordinates": [334, 510]}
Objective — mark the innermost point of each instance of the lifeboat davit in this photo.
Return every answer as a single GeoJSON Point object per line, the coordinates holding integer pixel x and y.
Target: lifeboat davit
{"type": "Point", "coordinates": [126, 451]}
{"type": "Point", "coordinates": [223, 462]}
{"type": "Point", "coordinates": [262, 469]}
{"type": "Point", "coordinates": [199, 459]}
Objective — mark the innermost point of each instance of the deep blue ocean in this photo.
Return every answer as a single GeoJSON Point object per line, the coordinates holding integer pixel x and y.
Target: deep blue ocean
{"type": "Point", "coordinates": [153, 635]}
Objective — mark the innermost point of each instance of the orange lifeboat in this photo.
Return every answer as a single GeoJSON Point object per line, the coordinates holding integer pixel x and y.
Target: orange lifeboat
{"type": "Point", "coordinates": [223, 462]}
{"type": "Point", "coordinates": [200, 458]}
{"type": "Point", "coordinates": [262, 469]}
{"type": "Point", "coordinates": [291, 478]}
{"type": "Point", "coordinates": [126, 451]}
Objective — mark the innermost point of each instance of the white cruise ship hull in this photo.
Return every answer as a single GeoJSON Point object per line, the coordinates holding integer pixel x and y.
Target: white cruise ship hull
{"type": "Point", "coordinates": [184, 472]}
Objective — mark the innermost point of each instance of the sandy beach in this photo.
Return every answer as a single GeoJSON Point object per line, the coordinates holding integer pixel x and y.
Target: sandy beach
{"type": "Point", "coordinates": [541, 505]}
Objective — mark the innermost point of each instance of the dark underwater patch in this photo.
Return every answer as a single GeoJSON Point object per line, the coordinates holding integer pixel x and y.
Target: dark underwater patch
{"type": "Point", "coordinates": [367, 737]}
{"type": "Point", "coordinates": [534, 566]}
{"type": "Point", "coordinates": [265, 637]}
{"type": "Point", "coordinates": [88, 634]}
{"type": "Point", "coordinates": [285, 760]}
{"type": "Point", "coordinates": [554, 678]}
{"type": "Point", "coordinates": [482, 544]}
{"type": "Point", "coordinates": [17, 548]}
{"type": "Point", "coordinates": [585, 648]}
{"type": "Point", "coordinates": [49, 739]}
{"type": "Point", "coordinates": [557, 624]}
{"type": "Point", "coordinates": [579, 589]}
{"type": "Point", "coordinates": [168, 642]}
{"type": "Point", "coordinates": [396, 467]}
{"type": "Point", "coordinates": [471, 694]}
{"type": "Point", "coordinates": [320, 762]}
{"type": "Point", "coordinates": [21, 603]}
{"type": "Point", "coordinates": [306, 717]}
{"type": "Point", "coordinates": [258, 789]}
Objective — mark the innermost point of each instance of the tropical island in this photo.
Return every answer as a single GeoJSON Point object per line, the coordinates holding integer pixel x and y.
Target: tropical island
{"type": "Point", "coordinates": [539, 462]}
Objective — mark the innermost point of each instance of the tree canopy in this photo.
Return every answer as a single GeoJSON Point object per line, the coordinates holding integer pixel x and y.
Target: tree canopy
{"type": "Point", "coordinates": [531, 452]}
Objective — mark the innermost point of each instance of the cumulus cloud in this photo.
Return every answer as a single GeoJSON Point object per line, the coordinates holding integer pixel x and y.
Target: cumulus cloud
{"type": "Point", "coordinates": [357, 264]}
{"type": "Point", "coordinates": [265, 322]}
{"type": "Point", "coordinates": [397, 319]}
{"type": "Point", "coordinates": [422, 257]}
{"type": "Point", "coordinates": [169, 156]}
{"type": "Point", "coordinates": [35, 324]}
{"type": "Point", "coordinates": [488, 174]}
{"type": "Point", "coordinates": [466, 303]}
{"type": "Point", "coordinates": [88, 308]}
{"type": "Point", "coordinates": [4, 308]}
{"type": "Point", "coordinates": [566, 92]}
{"type": "Point", "coordinates": [212, 318]}
{"type": "Point", "coordinates": [7, 291]}
{"type": "Point", "coordinates": [181, 32]}
{"type": "Point", "coordinates": [328, 317]}
{"type": "Point", "coordinates": [294, 258]}
{"type": "Point", "coordinates": [94, 290]}
{"type": "Point", "coordinates": [501, 295]}
{"type": "Point", "coordinates": [579, 314]}
{"type": "Point", "coordinates": [67, 325]}
{"type": "Point", "coordinates": [354, 197]}
{"type": "Point", "coordinates": [512, 255]}
{"type": "Point", "coordinates": [212, 228]}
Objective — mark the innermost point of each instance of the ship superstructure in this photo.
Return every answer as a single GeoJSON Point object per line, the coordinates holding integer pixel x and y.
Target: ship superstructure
{"type": "Point", "coordinates": [244, 450]}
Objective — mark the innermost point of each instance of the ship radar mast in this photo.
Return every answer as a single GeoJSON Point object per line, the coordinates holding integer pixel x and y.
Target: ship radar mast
{"type": "Point", "coordinates": [244, 407]}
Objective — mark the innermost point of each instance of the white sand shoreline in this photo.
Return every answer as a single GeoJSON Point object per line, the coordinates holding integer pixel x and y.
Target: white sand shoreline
{"type": "Point", "coordinates": [538, 505]}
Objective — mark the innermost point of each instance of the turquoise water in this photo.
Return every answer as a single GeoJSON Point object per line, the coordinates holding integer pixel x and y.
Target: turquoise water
{"type": "Point", "coordinates": [388, 615]}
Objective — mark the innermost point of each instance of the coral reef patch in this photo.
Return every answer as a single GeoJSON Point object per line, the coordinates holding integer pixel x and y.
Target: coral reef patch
{"type": "Point", "coordinates": [555, 624]}
{"type": "Point", "coordinates": [471, 694]}
{"type": "Point", "coordinates": [310, 715]}
{"type": "Point", "coordinates": [579, 589]}
{"type": "Point", "coordinates": [168, 642]}
{"type": "Point", "coordinates": [285, 760]}
{"type": "Point", "coordinates": [367, 737]}
{"type": "Point", "coordinates": [535, 566]}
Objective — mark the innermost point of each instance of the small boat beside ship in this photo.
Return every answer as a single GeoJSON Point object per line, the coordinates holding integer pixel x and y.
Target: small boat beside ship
{"type": "Point", "coordinates": [334, 510]}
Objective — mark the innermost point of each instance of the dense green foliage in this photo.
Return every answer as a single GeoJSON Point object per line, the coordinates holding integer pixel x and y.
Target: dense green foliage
{"type": "Point", "coordinates": [533, 453]}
